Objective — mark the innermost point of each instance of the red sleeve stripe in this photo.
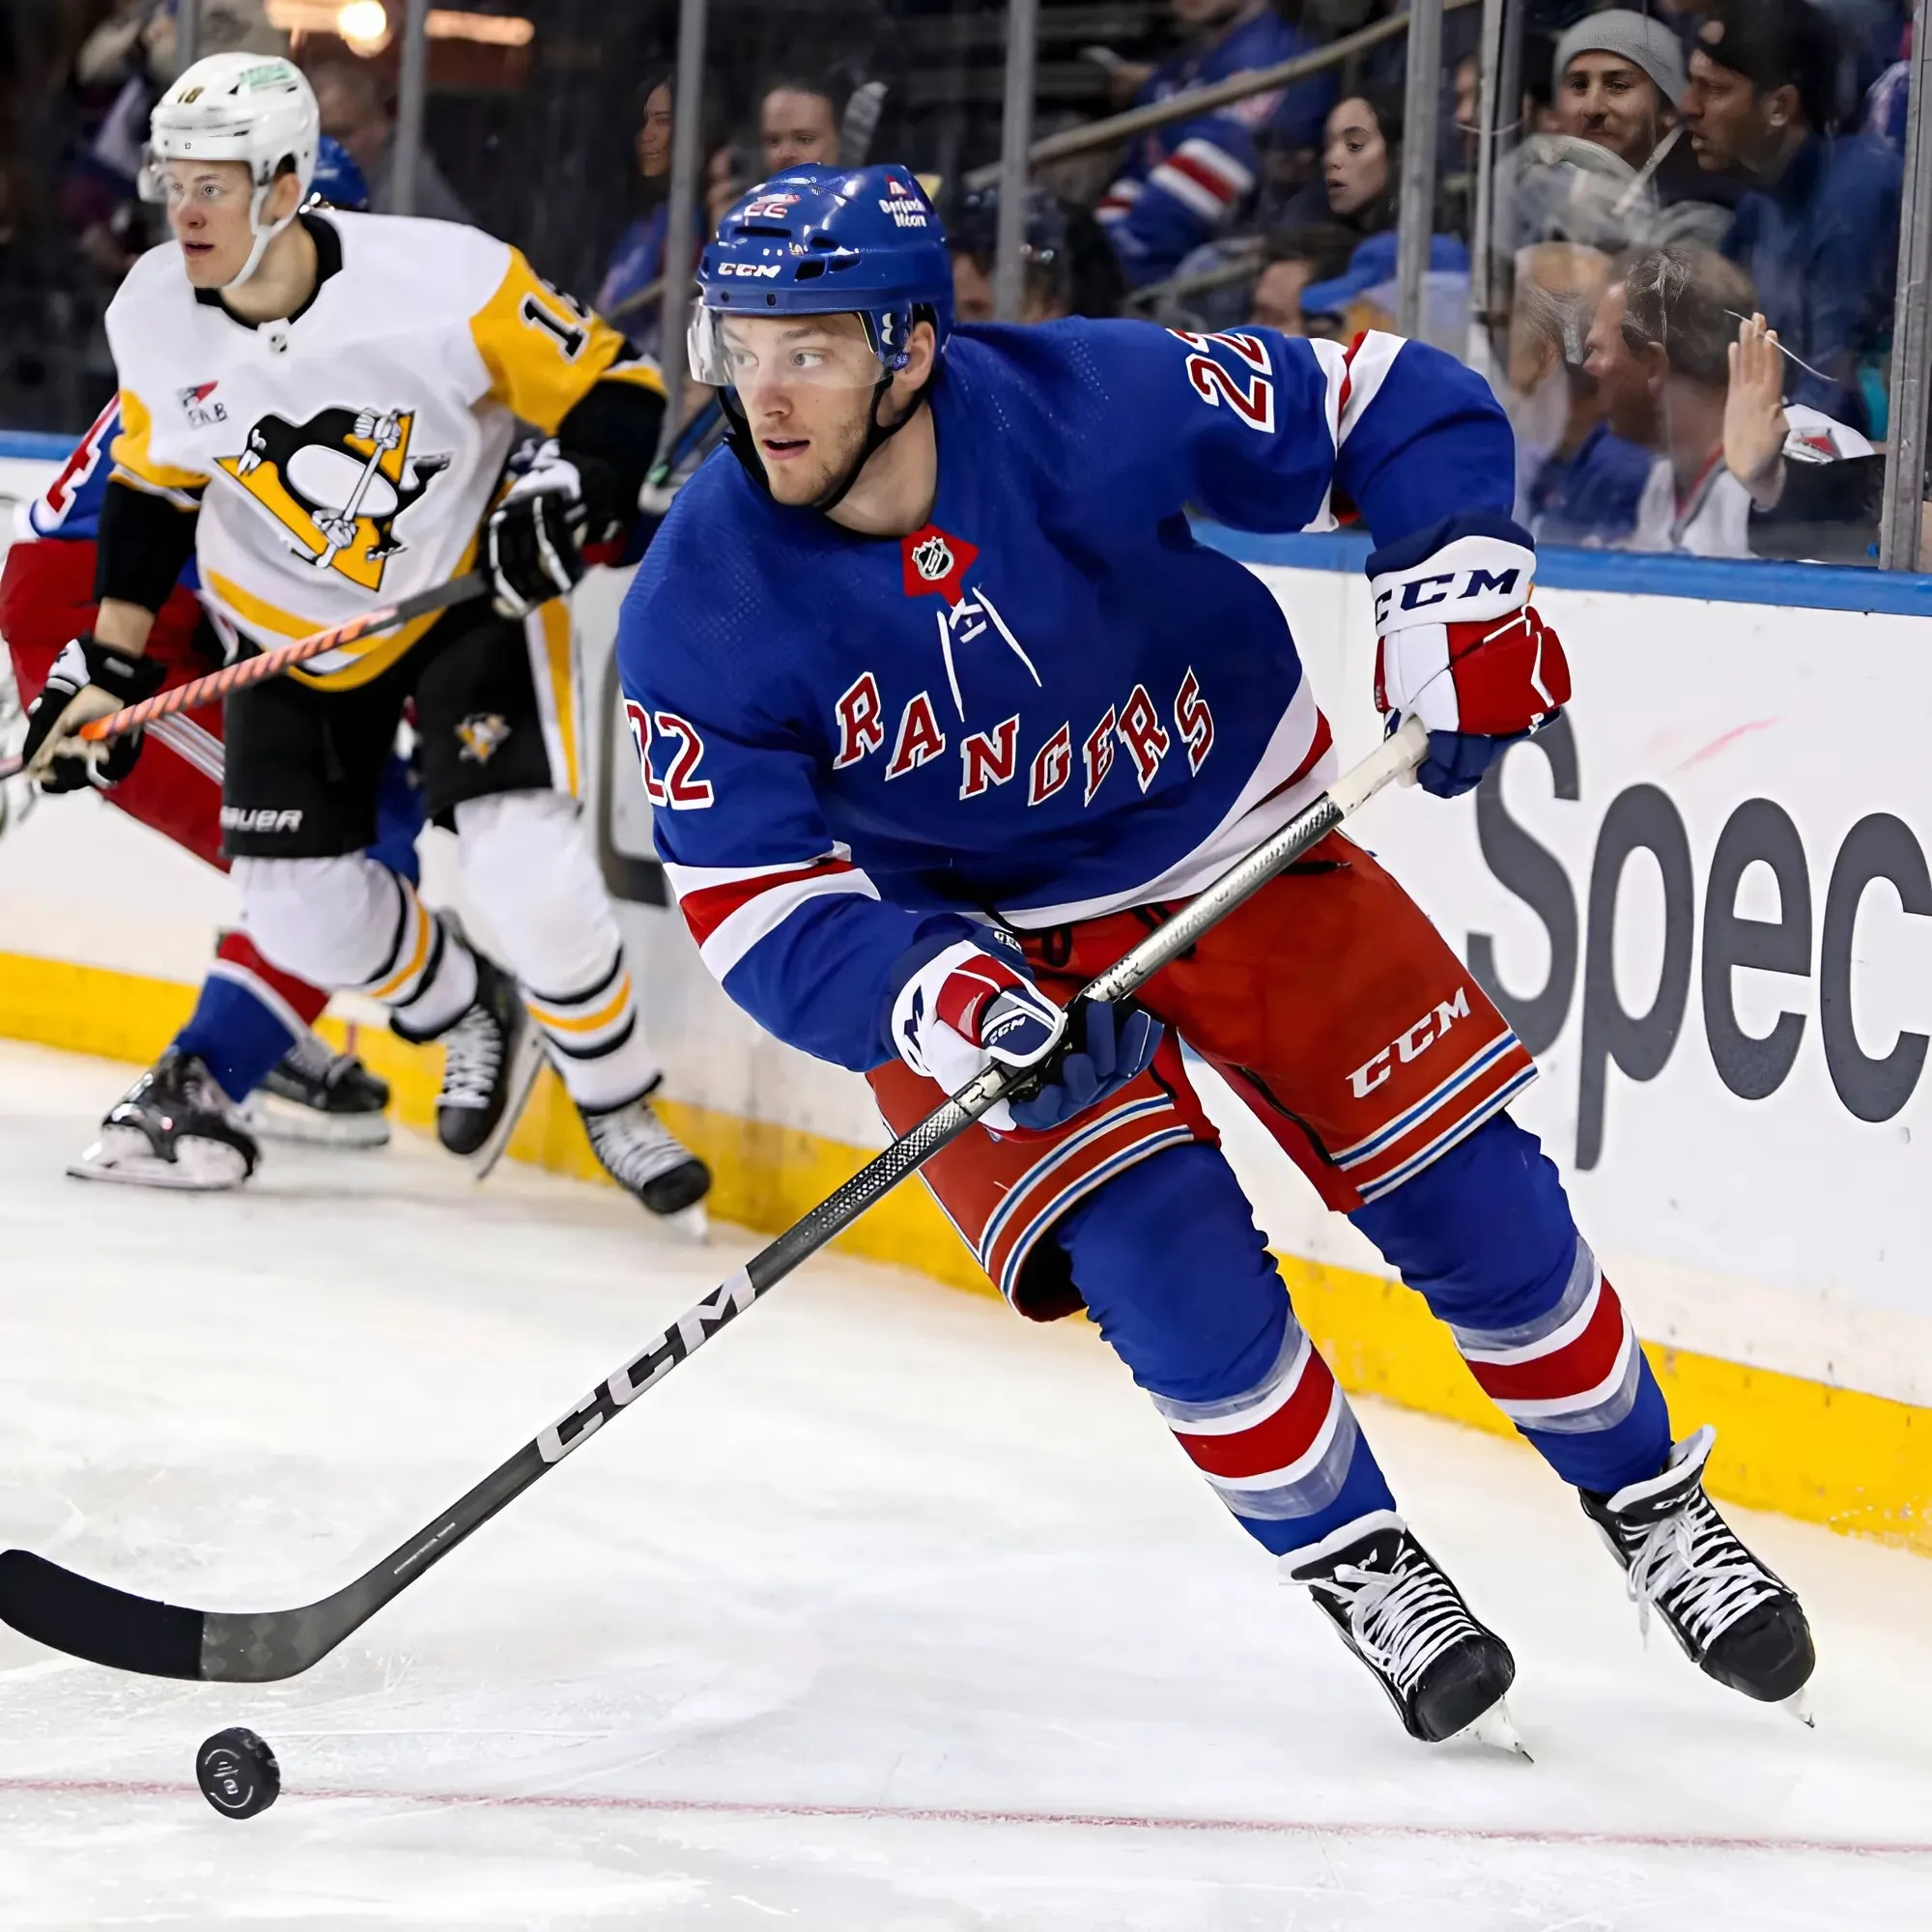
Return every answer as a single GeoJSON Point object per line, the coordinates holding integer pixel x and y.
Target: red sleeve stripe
{"type": "Point", "coordinates": [730, 909]}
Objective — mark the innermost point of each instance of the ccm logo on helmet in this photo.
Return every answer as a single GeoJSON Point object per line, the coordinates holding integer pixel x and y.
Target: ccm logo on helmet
{"type": "Point", "coordinates": [763, 269]}
{"type": "Point", "coordinates": [1411, 1044]}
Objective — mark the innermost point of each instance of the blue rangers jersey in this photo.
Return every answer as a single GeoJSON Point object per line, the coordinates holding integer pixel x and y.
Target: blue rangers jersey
{"type": "Point", "coordinates": [1181, 182]}
{"type": "Point", "coordinates": [1050, 702]}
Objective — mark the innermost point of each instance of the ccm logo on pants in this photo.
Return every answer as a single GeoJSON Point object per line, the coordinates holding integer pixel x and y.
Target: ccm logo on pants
{"type": "Point", "coordinates": [263, 818]}
{"type": "Point", "coordinates": [1409, 1044]}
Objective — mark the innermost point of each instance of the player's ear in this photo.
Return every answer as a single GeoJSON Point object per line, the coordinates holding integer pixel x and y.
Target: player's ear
{"type": "Point", "coordinates": [921, 347]}
{"type": "Point", "coordinates": [285, 197]}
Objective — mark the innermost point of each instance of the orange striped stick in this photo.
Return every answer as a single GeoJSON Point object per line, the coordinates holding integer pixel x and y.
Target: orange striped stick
{"type": "Point", "coordinates": [200, 691]}
{"type": "Point", "coordinates": [217, 685]}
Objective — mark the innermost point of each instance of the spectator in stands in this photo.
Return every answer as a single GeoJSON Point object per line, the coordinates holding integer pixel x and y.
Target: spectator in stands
{"type": "Point", "coordinates": [1292, 260]}
{"type": "Point", "coordinates": [637, 263]}
{"type": "Point", "coordinates": [1180, 184]}
{"type": "Point", "coordinates": [1661, 351]}
{"type": "Point", "coordinates": [1619, 77]}
{"type": "Point", "coordinates": [1067, 265]}
{"type": "Point", "coordinates": [1362, 163]}
{"type": "Point", "coordinates": [1818, 232]}
{"type": "Point", "coordinates": [1578, 481]}
{"type": "Point", "coordinates": [798, 121]}
{"type": "Point", "coordinates": [1890, 95]}
{"type": "Point", "coordinates": [355, 109]}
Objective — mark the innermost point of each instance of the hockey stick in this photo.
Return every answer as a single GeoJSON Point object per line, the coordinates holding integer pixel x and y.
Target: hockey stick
{"type": "Point", "coordinates": [90, 1620]}
{"type": "Point", "coordinates": [244, 671]}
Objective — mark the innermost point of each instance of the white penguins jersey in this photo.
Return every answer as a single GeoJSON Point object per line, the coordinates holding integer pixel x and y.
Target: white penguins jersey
{"type": "Point", "coordinates": [344, 458]}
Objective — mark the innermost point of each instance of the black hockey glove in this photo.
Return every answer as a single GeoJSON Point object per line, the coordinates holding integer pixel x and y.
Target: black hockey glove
{"type": "Point", "coordinates": [536, 534]}
{"type": "Point", "coordinates": [89, 680]}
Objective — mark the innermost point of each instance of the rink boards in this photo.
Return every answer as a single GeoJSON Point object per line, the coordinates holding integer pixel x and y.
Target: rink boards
{"type": "Point", "coordinates": [1705, 904]}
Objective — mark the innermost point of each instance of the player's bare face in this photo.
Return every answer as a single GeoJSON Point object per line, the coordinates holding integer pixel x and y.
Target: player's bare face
{"type": "Point", "coordinates": [208, 210]}
{"type": "Point", "coordinates": [806, 384]}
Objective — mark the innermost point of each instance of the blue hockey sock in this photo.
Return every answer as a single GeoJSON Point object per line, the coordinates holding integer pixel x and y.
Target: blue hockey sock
{"type": "Point", "coordinates": [1185, 1290]}
{"type": "Point", "coordinates": [1484, 1235]}
{"type": "Point", "coordinates": [235, 1032]}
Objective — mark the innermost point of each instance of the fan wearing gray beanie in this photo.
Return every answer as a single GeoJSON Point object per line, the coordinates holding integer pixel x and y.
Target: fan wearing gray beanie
{"type": "Point", "coordinates": [1617, 81]}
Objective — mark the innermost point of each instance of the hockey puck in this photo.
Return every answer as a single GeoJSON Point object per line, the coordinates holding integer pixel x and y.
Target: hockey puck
{"type": "Point", "coordinates": [238, 1773]}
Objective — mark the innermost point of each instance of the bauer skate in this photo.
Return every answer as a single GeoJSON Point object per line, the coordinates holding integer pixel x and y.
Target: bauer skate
{"type": "Point", "coordinates": [1733, 1619]}
{"type": "Point", "coordinates": [175, 1129]}
{"type": "Point", "coordinates": [642, 1155]}
{"type": "Point", "coordinates": [1396, 1611]}
{"type": "Point", "coordinates": [491, 1057]}
{"type": "Point", "coordinates": [321, 1098]}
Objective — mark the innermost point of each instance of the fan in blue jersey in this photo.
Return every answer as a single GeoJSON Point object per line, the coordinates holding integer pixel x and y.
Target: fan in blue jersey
{"type": "Point", "coordinates": [941, 706]}
{"type": "Point", "coordinates": [1180, 183]}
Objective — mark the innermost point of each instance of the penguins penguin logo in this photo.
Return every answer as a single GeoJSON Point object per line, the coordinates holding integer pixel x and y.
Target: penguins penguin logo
{"type": "Point", "coordinates": [336, 483]}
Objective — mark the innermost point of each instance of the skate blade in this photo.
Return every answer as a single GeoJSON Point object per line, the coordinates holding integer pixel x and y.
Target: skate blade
{"type": "Point", "coordinates": [205, 1167]}
{"type": "Point", "coordinates": [1496, 1728]}
{"type": "Point", "coordinates": [524, 1067]}
{"type": "Point", "coordinates": [691, 1224]}
{"type": "Point", "coordinates": [274, 1119]}
{"type": "Point", "coordinates": [1799, 1704]}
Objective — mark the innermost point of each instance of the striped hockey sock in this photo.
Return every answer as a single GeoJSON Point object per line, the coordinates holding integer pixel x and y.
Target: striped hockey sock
{"type": "Point", "coordinates": [596, 1038]}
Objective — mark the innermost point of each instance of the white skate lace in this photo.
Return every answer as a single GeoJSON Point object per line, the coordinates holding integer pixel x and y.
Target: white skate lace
{"type": "Point", "coordinates": [1696, 1573]}
{"type": "Point", "coordinates": [473, 1057]}
{"type": "Point", "coordinates": [635, 1145]}
{"type": "Point", "coordinates": [1403, 1619]}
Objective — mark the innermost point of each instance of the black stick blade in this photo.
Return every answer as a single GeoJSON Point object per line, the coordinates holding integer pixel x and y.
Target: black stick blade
{"type": "Point", "coordinates": [87, 1619]}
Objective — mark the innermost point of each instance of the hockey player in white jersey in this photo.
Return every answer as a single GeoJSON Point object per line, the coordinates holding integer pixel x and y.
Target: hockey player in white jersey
{"type": "Point", "coordinates": [319, 406]}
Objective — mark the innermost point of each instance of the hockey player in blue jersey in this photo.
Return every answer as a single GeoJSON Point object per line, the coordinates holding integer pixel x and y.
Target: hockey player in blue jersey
{"type": "Point", "coordinates": [941, 706]}
{"type": "Point", "coordinates": [1180, 183]}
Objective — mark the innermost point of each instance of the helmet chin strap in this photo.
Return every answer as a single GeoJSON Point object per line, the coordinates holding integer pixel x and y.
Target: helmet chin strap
{"type": "Point", "coordinates": [258, 206]}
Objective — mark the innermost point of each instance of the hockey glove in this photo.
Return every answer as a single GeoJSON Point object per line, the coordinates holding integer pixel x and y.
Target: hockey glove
{"type": "Point", "coordinates": [535, 535]}
{"type": "Point", "coordinates": [971, 1007]}
{"type": "Point", "coordinates": [88, 680]}
{"type": "Point", "coordinates": [1461, 647]}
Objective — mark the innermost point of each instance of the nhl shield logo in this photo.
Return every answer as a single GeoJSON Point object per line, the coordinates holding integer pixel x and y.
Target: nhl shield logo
{"type": "Point", "coordinates": [932, 558]}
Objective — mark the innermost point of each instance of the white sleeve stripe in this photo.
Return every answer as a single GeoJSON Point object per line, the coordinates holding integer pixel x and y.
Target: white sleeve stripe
{"type": "Point", "coordinates": [1368, 371]}
{"type": "Point", "coordinates": [685, 879]}
{"type": "Point", "coordinates": [1333, 359]}
{"type": "Point", "coordinates": [1217, 161]}
{"type": "Point", "coordinates": [1190, 192]}
{"type": "Point", "coordinates": [758, 918]}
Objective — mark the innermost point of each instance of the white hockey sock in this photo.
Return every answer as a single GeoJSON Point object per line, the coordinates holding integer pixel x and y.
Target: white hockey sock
{"type": "Point", "coordinates": [352, 925]}
{"type": "Point", "coordinates": [527, 870]}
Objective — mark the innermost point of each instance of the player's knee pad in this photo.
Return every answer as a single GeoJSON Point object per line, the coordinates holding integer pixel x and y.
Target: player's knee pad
{"type": "Point", "coordinates": [1485, 1232]}
{"type": "Point", "coordinates": [527, 869]}
{"type": "Point", "coordinates": [331, 920]}
{"type": "Point", "coordinates": [1167, 1260]}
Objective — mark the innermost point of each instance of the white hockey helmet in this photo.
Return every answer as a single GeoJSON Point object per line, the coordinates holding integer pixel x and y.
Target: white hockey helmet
{"type": "Point", "coordinates": [246, 107]}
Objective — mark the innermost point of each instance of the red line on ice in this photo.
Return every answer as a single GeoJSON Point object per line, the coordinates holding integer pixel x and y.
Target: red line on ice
{"type": "Point", "coordinates": [923, 1814]}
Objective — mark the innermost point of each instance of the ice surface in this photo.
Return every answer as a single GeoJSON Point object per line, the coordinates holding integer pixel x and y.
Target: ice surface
{"type": "Point", "coordinates": [887, 1612]}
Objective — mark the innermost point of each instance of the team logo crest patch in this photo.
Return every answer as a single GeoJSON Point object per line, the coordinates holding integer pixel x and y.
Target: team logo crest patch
{"type": "Point", "coordinates": [337, 484]}
{"type": "Point", "coordinates": [482, 733]}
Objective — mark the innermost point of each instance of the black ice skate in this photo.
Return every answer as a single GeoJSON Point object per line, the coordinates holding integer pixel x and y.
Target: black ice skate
{"type": "Point", "coordinates": [175, 1129]}
{"type": "Point", "coordinates": [322, 1099]}
{"type": "Point", "coordinates": [492, 1055]}
{"type": "Point", "coordinates": [1735, 1621]}
{"type": "Point", "coordinates": [1443, 1671]}
{"type": "Point", "coordinates": [642, 1154]}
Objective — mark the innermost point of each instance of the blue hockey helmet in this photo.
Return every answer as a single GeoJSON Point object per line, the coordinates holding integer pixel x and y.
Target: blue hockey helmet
{"type": "Point", "coordinates": [337, 180]}
{"type": "Point", "coordinates": [820, 241]}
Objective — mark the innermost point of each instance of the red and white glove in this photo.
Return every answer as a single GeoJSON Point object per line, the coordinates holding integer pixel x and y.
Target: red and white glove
{"type": "Point", "coordinates": [969, 1008]}
{"type": "Point", "coordinates": [1461, 646]}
